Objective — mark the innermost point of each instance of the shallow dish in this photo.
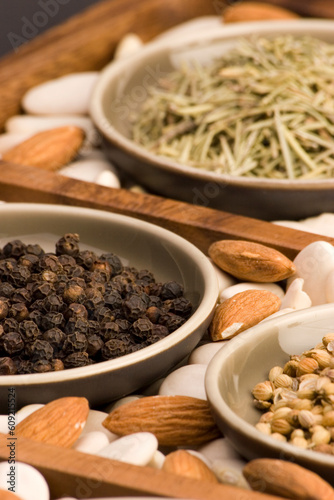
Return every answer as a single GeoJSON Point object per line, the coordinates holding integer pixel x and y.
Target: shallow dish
{"type": "Point", "coordinates": [245, 361]}
{"type": "Point", "coordinates": [139, 244]}
{"type": "Point", "coordinates": [122, 88]}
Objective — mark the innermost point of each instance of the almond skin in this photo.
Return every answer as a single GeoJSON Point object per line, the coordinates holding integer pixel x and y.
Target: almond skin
{"type": "Point", "coordinates": [183, 463]}
{"type": "Point", "coordinates": [59, 422]}
{"type": "Point", "coordinates": [8, 495]}
{"type": "Point", "coordinates": [286, 479]}
{"type": "Point", "coordinates": [256, 11]}
{"type": "Point", "coordinates": [243, 310]}
{"type": "Point", "coordinates": [175, 420]}
{"type": "Point", "coordinates": [250, 261]}
{"type": "Point", "coordinates": [49, 150]}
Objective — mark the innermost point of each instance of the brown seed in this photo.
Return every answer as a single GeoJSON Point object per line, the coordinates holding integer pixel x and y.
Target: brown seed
{"type": "Point", "coordinates": [175, 420]}
{"type": "Point", "coordinates": [286, 479]}
{"type": "Point", "coordinates": [251, 261]}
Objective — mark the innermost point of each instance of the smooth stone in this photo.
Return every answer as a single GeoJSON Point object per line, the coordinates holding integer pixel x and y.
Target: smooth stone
{"type": "Point", "coordinates": [69, 94]}
{"type": "Point", "coordinates": [185, 381]}
{"type": "Point", "coordinates": [295, 298]}
{"type": "Point", "coordinates": [137, 449]}
{"type": "Point", "coordinates": [29, 482]}
{"type": "Point", "coordinates": [127, 46]}
{"type": "Point", "coordinates": [94, 423]}
{"type": "Point", "coordinates": [321, 224]}
{"type": "Point", "coordinates": [280, 312]}
{"type": "Point", "coordinates": [241, 287]}
{"type": "Point", "coordinates": [28, 124]}
{"type": "Point", "coordinates": [108, 179]}
{"type": "Point", "coordinates": [230, 472]}
{"type": "Point", "coordinates": [329, 287]}
{"type": "Point", "coordinates": [8, 140]}
{"type": "Point", "coordinates": [153, 389]}
{"type": "Point", "coordinates": [313, 265]}
{"type": "Point", "coordinates": [219, 449]}
{"type": "Point", "coordinates": [91, 442]}
{"type": "Point", "coordinates": [157, 460]}
{"type": "Point", "coordinates": [25, 411]}
{"type": "Point", "coordinates": [292, 224]}
{"type": "Point", "coordinates": [121, 402]}
{"type": "Point", "coordinates": [203, 354]}
{"type": "Point", "coordinates": [225, 280]}
{"type": "Point", "coordinates": [137, 189]}
{"type": "Point", "coordinates": [85, 169]}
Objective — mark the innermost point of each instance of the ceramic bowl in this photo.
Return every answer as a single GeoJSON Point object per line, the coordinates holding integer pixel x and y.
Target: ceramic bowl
{"type": "Point", "coordinates": [245, 361]}
{"type": "Point", "coordinates": [122, 88]}
{"type": "Point", "coordinates": [138, 244]}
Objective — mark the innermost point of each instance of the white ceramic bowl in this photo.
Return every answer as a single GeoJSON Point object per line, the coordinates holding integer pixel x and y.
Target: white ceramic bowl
{"type": "Point", "coordinates": [139, 244]}
{"type": "Point", "coordinates": [245, 361]}
{"type": "Point", "coordinates": [122, 88]}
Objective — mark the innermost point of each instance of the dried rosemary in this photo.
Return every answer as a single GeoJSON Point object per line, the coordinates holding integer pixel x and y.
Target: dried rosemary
{"type": "Point", "coordinates": [265, 109]}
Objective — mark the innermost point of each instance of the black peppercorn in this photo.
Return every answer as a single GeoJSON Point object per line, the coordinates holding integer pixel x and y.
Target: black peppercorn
{"type": "Point", "coordinates": [171, 290]}
{"type": "Point", "coordinates": [39, 349]}
{"type": "Point", "coordinates": [29, 330]}
{"type": "Point", "coordinates": [68, 244]}
{"type": "Point", "coordinates": [52, 320]}
{"type": "Point", "coordinates": [11, 343]}
{"type": "Point", "coordinates": [113, 349]}
{"type": "Point", "coordinates": [6, 289]}
{"type": "Point", "coordinates": [94, 345]}
{"type": "Point", "coordinates": [76, 310]}
{"type": "Point", "coordinates": [4, 307]}
{"type": "Point", "coordinates": [73, 293]}
{"type": "Point", "coordinates": [42, 366]}
{"type": "Point", "coordinates": [86, 258]}
{"type": "Point", "coordinates": [14, 248]}
{"type": "Point", "coordinates": [110, 330]}
{"type": "Point", "coordinates": [56, 338]}
{"type": "Point", "coordinates": [7, 366]}
{"type": "Point", "coordinates": [134, 306]}
{"type": "Point", "coordinates": [57, 365]}
{"type": "Point", "coordinates": [76, 360]}
{"type": "Point", "coordinates": [114, 262]}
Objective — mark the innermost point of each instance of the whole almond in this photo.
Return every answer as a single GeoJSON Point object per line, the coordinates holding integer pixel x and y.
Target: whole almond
{"type": "Point", "coordinates": [59, 422]}
{"type": "Point", "coordinates": [243, 310]}
{"type": "Point", "coordinates": [183, 463]}
{"type": "Point", "coordinates": [286, 479]}
{"type": "Point", "coordinates": [256, 11]}
{"type": "Point", "coordinates": [250, 261]}
{"type": "Point", "coordinates": [49, 150]}
{"type": "Point", "coordinates": [175, 420]}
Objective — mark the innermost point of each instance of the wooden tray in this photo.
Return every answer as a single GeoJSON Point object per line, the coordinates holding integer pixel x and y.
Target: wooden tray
{"type": "Point", "coordinates": [87, 42]}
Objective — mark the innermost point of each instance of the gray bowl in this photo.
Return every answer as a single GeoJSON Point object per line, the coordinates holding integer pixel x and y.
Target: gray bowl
{"type": "Point", "coordinates": [139, 244]}
{"type": "Point", "coordinates": [245, 361]}
{"type": "Point", "coordinates": [122, 88]}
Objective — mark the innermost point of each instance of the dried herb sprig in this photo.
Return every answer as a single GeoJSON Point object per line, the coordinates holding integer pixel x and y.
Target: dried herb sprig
{"type": "Point", "coordinates": [264, 109]}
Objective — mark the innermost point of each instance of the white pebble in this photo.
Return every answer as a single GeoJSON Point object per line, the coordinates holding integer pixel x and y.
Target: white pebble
{"type": "Point", "coordinates": [137, 449]}
{"type": "Point", "coordinates": [91, 442]}
{"type": "Point", "coordinates": [28, 124]}
{"type": "Point", "coordinates": [108, 179]}
{"type": "Point", "coordinates": [295, 298]}
{"type": "Point", "coordinates": [313, 265]}
{"type": "Point", "coordinates": [121, 402]}
{"type": "Point", "coordinates": [185, 381]}
{"type": "Point", "coordinates": [203, 354]}
{"type": "Point", "coordinates": [321, 224]}
{"type": "Point", "coordinates": [329, 287]}
{"type": "Point", "coordinates": [129, 44]}
{"type": "Point", "coordinates": [225, 280]}
{"type": "Point", "coordinates": [68, 94]}
{"type": "Point", "coordinates": [28, 482]}
{"type": "Point", "coordinates": [157, 460]}
{"type": "Point", "coordinates": [94, 423]}
{"type": "Point", "coordinates": [25, 411]}
{"type": "Point", "coordinates": [219, 449]}
{"type": "Point", "coordinates": [230, 472]}
{"type": "Point", "coordinates": [241, 287]}
{"type": "Point", "coordinates": [8, 141]}
{"type": "Point", "coordinates": [85, 169]}
{"type": "Point", "coordinates": [280, 312]}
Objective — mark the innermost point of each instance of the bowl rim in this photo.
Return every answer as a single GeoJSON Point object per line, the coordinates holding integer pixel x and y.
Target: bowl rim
{"type": "Point", "coordinates": [113, 72]}
{"type": "Point", "coordinates": [203, 310]}
{"type": "Point", "coordinates": [234, 421]}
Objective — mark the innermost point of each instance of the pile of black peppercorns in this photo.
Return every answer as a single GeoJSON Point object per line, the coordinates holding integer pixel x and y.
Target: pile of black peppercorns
{"type": "Point", "coordinates": [73, 308]}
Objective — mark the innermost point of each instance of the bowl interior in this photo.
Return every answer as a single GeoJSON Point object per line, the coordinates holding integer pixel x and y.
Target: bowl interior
{"type": "Point", "coordinates": [123, 86]}
{"type": "Point", "coordinates": [246, 361]}
{"type": "Point", "coordinates": [138, 244]}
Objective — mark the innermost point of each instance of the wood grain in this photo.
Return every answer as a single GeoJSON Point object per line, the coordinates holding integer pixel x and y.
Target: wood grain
{"type": "Point", "coordinates": [87, 42]}
{"type": "Point", "coordinates": [71, 473]}
{"type": "Point", "coordinates": [200, 225]}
